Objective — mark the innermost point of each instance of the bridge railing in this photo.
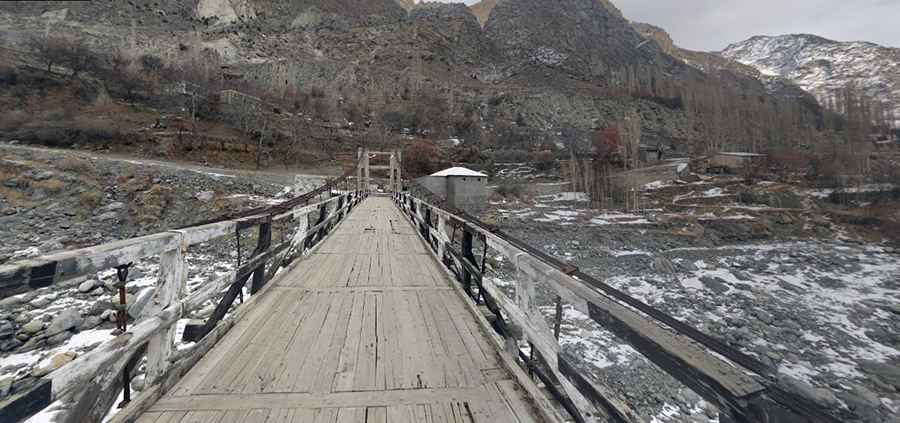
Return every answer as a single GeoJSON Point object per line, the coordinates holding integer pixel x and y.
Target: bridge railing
{"type": "Point", "coordinates": [88, 387]}
{"type": "Point", "coordinates": [743, 389]}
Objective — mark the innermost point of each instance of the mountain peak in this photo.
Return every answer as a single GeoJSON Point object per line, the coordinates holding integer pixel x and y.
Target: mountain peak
{"type": "Point", "coordinates": [822, 66]}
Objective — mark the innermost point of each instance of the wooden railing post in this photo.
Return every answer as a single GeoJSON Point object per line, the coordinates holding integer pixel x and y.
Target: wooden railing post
{"type": "Point", "coordinates": [469, 255]}
{"type": "Point", "coordinates": [170, 289]}
{"type": "Point", "coordinates": [323, 215]}
{"type": "Point", "coordinates": [442, 229]}
{"type": "Point", "coordinates": [265, 241]}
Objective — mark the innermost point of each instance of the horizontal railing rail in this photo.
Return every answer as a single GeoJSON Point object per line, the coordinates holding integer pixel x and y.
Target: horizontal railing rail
{"type": "Point", "coordinates": [744, 389]}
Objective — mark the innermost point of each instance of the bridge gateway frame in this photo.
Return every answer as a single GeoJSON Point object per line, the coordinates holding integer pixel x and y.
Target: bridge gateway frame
{"type": "Point", "coordinates": [364, 169]}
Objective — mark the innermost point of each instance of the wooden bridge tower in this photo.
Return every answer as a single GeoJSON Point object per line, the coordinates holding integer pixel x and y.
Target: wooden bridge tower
{"type": "Point", "coordinates": [363, 171]}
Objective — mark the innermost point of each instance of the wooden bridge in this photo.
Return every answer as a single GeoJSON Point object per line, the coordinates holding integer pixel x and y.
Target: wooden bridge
{"type": "Point", "coordinates": [370, 309]}
{"type": "Point", "coordinates": [368, 329]}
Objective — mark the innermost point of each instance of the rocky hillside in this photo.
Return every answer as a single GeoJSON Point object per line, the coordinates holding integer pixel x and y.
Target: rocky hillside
{"type": "Point", "coordinates": [822, 66]}
{"type": "Point", "coordinates": [536, 67]}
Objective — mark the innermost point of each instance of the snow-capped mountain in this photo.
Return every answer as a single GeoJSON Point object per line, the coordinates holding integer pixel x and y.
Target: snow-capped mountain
{"type": "Point", "coordinates": [821, 66]}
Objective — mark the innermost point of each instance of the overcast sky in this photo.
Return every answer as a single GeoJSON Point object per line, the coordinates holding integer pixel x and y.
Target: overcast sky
{"type": "Point", "coordinates": [713, 24]}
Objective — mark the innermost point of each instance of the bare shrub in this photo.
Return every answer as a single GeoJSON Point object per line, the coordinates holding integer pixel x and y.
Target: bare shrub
{"type": "Point", "coordinates": [421, 158]}
{"type": "Point", "coordinates": [70, 52]}
{"type": "Point", "coordinates": [90, 199]}
{"type": "Point", "coordinates": [543, 160]}
{"type": "Point", "coordinates": [53, 185]}
{"type": "Point", "coordinates": [50, 50]}
{"type": "Point", "coordinates": [74, 164]}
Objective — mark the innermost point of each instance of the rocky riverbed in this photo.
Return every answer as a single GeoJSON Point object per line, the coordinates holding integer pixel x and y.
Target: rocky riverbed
{"type": "Point", "coordinates": [802, 294]}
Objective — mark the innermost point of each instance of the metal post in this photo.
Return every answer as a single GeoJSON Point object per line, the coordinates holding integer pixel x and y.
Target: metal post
{"type": "Point", "coordinates": [359, 169]}
{"type": "Point", "coordinates": [557, 323]}
{"type": "Point", "coordinates": [122, 323]}
{"type": "Point", "coordinates": [368, 182]}
{"type": "Point", "coordinates": [399, 171]}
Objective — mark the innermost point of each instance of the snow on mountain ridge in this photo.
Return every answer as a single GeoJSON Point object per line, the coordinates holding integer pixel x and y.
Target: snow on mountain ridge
{"type": "Point", "coordinates": [822, 66]}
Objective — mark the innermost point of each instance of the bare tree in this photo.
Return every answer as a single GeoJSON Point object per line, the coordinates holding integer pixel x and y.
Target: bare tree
{"type": "Point", "coordinates": [49, 49]}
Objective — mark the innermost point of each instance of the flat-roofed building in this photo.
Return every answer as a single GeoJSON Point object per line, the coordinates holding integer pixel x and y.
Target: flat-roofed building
{"type": "Point", "coordinates": [461, 187]}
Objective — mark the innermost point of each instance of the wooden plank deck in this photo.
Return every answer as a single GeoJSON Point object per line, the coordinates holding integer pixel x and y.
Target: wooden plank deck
{"type": "Point", "coordinates": [367, 329]}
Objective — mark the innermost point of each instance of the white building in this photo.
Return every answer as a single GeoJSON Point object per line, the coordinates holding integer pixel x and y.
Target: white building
{"type": "Point", "coordinates": [462, 188]}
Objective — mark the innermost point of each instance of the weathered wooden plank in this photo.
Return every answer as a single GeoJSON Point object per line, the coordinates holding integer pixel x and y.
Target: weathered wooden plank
{"type": "Point", "coordinates": [347, 365]}
{"type": "Point", "coordinates": [305, 341]}
{"type": "Point", "coordinates": [171, 287]}
{"type": "Point", "coordinates": [322, 330]}
{"type": "Point", "coordinates": [263, 357]}
{"type": "Point", "coordinates": [324, 378]}
{"type": "Point", "coordinates": [366, 374]}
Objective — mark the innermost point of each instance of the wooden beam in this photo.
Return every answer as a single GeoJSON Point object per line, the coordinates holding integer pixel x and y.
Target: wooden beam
{"type": "Point", "coordinates": [52, 269]}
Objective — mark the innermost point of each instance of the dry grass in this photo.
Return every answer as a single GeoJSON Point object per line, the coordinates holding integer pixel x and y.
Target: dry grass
{"type": "Point", "coordinates": [53, 186]}
{"type": "Point", "coordinates": [90, 199]}
{"type": "Point", "coordinates": [15, 198]}
{"type": "Point", "coordinates": [74, 164]}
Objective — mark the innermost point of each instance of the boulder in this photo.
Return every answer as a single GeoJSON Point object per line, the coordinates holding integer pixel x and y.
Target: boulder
{"type": "Point", "coordinates": [11, 301]}
{"type": "Point", "coordinates": [100, 307]}
{"type": "Point", "coordinates": [7, 329]}
{"type": "Point", "coordinates": [54, 364]}
{"type": "Point", "coordinates": [91, 322]}
{"type": "Point", "coordinates": [139, 302]}
{"type": "Point", "coordinates": [41, 302]}
{"type": "Point", "coordinates": [108, 216]}
{"type": "Point", "coordinates": [860, 399]}
{"type": "Point", "coordinates": [888, 373]}
{"type": "Point", "coordinates": [33, 327]}
{"type": "Point", "coordinates": [68, 319]}
{"type": "Point", "coordinates": [59, 338]}
{"type": "Point", "coordinates": [206, 196]}
{"type": "Point", "coordinates": [664, 266]}
{"type": "Point", "coordinates": [109, 315]}
{"type": "Point", "coordinates": [113, 207]}
{"type": "Point", "coordinates": [715, 284]}
{"type": "Point", "coordinates": [9, 345]}
{"type": "Point", "coordinates": [6, 385]}
{"type": "Point", "coordinates": [87, 285]}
